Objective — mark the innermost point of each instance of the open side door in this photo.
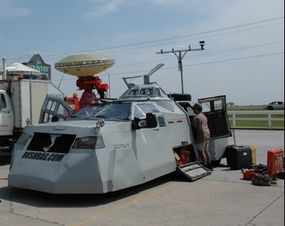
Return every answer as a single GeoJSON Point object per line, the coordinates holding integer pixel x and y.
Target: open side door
{"type": "Point", "coordinates": [54, 109]}
{"type": "Point", "coordinates": [6, 115]}
{"type": "Point", "coordinates": [215, 109]}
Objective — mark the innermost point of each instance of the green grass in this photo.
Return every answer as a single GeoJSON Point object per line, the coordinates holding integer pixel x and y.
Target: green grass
{"type": "Point", "coordinates": [257, 124]}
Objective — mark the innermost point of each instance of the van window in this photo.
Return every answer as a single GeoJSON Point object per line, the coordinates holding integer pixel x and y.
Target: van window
{"type": "Point", "coordinates": [3, 103]}
{"type": "Point", "coordinates": [218, 105]}
{"type": "Point", "coordinates": [148, 108]}
{"type": "Point", "coordinates": [161, 121]}
{"type": "Point", "coordinates": [142, 109]}
{"type": "Point", "coordinates": [134, 92]}
{"type": "Point", "coordinates": [138, 113]}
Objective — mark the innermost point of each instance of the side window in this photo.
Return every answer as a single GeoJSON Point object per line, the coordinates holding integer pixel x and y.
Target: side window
{"type": "Point", "coordinates": [51, 105]}
{"type": "Point", "coordinates": [206, 107]}
{"type": "Point", "coordinates": [138, 113]}
{"type": "Point", "coordinates": [161, 121]}
{"type": "Point", "coordinates": [54, 109]}
{"type": "Point", "coordinates": [157, 92]}
{"type": "Point", "coordinates": [187, 107]}
{"type": "Point", "coordinates": [146, 91]}
{"type": "Point", "coordinates": [213, 105]}
{"type": "Point", "coordinates": [134, 92]}
{"type": "Point", "coordinates": [150, 92]}
{"type": "Point", "coordinates": [3, 103]}
{"type": "Point", "coordinates": [218, 105]}
{"type": "Point", "coordinates": [61, 110]}
{"type": "Point", "coordinates": [148, 108]}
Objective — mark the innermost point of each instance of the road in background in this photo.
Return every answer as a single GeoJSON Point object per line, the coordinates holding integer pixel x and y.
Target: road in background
{"type": "Point", "coordinates": [222, 198]}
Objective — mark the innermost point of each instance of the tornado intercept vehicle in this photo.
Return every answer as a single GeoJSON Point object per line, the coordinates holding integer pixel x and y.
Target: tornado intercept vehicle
{"type": "Point", "coordinates": [125, 142]}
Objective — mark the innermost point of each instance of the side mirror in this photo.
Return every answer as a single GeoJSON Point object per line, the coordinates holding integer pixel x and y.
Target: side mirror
{"type": "Point", "coordinates": [151, 121]}
{"type": "Point", "coordinates": [138, 123]}
{"type": "Point", "coordinates": [54, 118]}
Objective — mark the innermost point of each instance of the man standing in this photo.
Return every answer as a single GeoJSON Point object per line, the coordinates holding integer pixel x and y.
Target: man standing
{"type": "Point", "coordinates": [201, 135]}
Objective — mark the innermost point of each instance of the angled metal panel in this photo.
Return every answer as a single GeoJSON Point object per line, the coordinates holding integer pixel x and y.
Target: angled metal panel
{"type": "Point", "coordinates": [194, 171]}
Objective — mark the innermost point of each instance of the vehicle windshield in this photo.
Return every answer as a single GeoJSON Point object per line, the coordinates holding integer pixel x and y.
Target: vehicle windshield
{"type": "Point", "coordinates": [88, 112]}
{"type": "Point", "coordinates": [115, 111]}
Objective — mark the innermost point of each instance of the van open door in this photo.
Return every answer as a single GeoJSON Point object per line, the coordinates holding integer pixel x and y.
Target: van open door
{"type": "Point", "coordinates": [215, 109]}
{"type": "Point", "coordinates": [54, 109]}
{"type": "Point", "coordinates": [6, 115]}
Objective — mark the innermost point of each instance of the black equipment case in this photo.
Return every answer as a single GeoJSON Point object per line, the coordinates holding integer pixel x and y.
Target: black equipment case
{"type": "Point", "coordinates": [239, 157]}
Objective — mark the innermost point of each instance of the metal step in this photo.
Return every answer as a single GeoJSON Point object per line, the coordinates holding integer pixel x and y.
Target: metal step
{"type": "Point", "coordinates": [194, 170]}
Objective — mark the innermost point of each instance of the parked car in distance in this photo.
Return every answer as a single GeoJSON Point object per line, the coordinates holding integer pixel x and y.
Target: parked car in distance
{"type": "Point", "coordinates": [275, 105]}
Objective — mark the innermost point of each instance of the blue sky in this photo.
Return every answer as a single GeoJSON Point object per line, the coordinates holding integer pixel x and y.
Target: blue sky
{"type": "Point", "coordinates": [243, 56]}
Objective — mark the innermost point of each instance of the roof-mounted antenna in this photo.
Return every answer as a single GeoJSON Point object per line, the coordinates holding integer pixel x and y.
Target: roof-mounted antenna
{"type": "Point", "coordinates": [146, 76]}
{"type": "Point", "coordinates": [130, 85]}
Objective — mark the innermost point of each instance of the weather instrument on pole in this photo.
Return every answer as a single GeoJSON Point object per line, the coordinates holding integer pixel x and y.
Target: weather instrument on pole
{"type": "Point", "coordinates": [180, 54]}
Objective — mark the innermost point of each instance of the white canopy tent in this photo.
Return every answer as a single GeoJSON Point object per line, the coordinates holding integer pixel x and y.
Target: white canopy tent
{"type": "Point", "coordinates": [18, 68]}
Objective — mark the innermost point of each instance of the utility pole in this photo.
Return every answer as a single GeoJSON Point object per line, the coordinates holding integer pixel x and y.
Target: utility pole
{"type": "Point", "coordinates": [180, 54]}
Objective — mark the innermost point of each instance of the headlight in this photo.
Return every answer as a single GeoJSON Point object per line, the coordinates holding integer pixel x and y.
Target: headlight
{"type": "Point", "coordinates": [91, 142]}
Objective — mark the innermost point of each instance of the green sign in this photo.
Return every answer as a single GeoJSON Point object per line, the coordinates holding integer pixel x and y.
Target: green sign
{"type": "Point", "coordinates": [38, 63]}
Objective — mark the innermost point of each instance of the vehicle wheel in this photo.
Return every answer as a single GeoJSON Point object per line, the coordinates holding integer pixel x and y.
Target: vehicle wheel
{"type": "Point", "coordinates": [216, 163]}
{"type": "Point", "coordinates": [270, 108]}
{"type": "Point", "coordinates": [11, 147]}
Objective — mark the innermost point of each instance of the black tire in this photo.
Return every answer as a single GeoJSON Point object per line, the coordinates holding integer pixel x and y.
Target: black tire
{"type": "Point", "coordinates": [216, 163]}
{"type": "Point", "coordinates": [270, 108]}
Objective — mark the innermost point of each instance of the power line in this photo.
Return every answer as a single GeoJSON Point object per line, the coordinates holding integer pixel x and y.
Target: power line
{"type": "Point", "coordinates": [173, 38]}
{"type": "Point", "coordinates": [154, 60]}
{"type": "Point", "coordinates": [194, 34]}
{"type": "Point", "coordinates": [197, 64]}
{"type": "Point", "coordinates": [153, 43]}
{"type": "Point", "coordinates": [236, 59]}
{"type": "Point", "coordinates": [210, 53]}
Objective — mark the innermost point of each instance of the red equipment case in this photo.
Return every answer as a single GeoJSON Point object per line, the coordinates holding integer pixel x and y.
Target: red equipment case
{"type": "Point", "coordinates": [275, 162]}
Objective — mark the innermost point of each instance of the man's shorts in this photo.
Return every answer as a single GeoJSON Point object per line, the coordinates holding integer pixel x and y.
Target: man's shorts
{"type": "Point", "coordinates": [202, 146]}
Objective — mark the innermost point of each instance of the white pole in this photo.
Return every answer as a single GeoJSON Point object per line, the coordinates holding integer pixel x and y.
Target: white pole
{"type": "Point", "coordinates": [234, 118]}
{"type": "Point", "coordinates": [269, 119]}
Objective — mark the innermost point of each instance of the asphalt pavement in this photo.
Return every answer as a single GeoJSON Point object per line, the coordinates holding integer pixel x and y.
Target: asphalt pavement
{"type": "Point", "coordinates": [222, 198]}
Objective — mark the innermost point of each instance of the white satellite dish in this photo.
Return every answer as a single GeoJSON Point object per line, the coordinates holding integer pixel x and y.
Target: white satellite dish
{"type": "Point", "coordinates": [84, 65]}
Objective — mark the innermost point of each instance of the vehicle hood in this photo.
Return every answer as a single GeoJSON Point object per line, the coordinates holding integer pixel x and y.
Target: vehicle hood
{"type": "Point", "coordinates": [83, 127]}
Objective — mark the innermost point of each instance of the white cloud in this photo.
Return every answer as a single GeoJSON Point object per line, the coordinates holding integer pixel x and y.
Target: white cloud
{"type": "Point", "coordinates": [106, 7]}
{"type": "Point", "coordinates": [9, 9]}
